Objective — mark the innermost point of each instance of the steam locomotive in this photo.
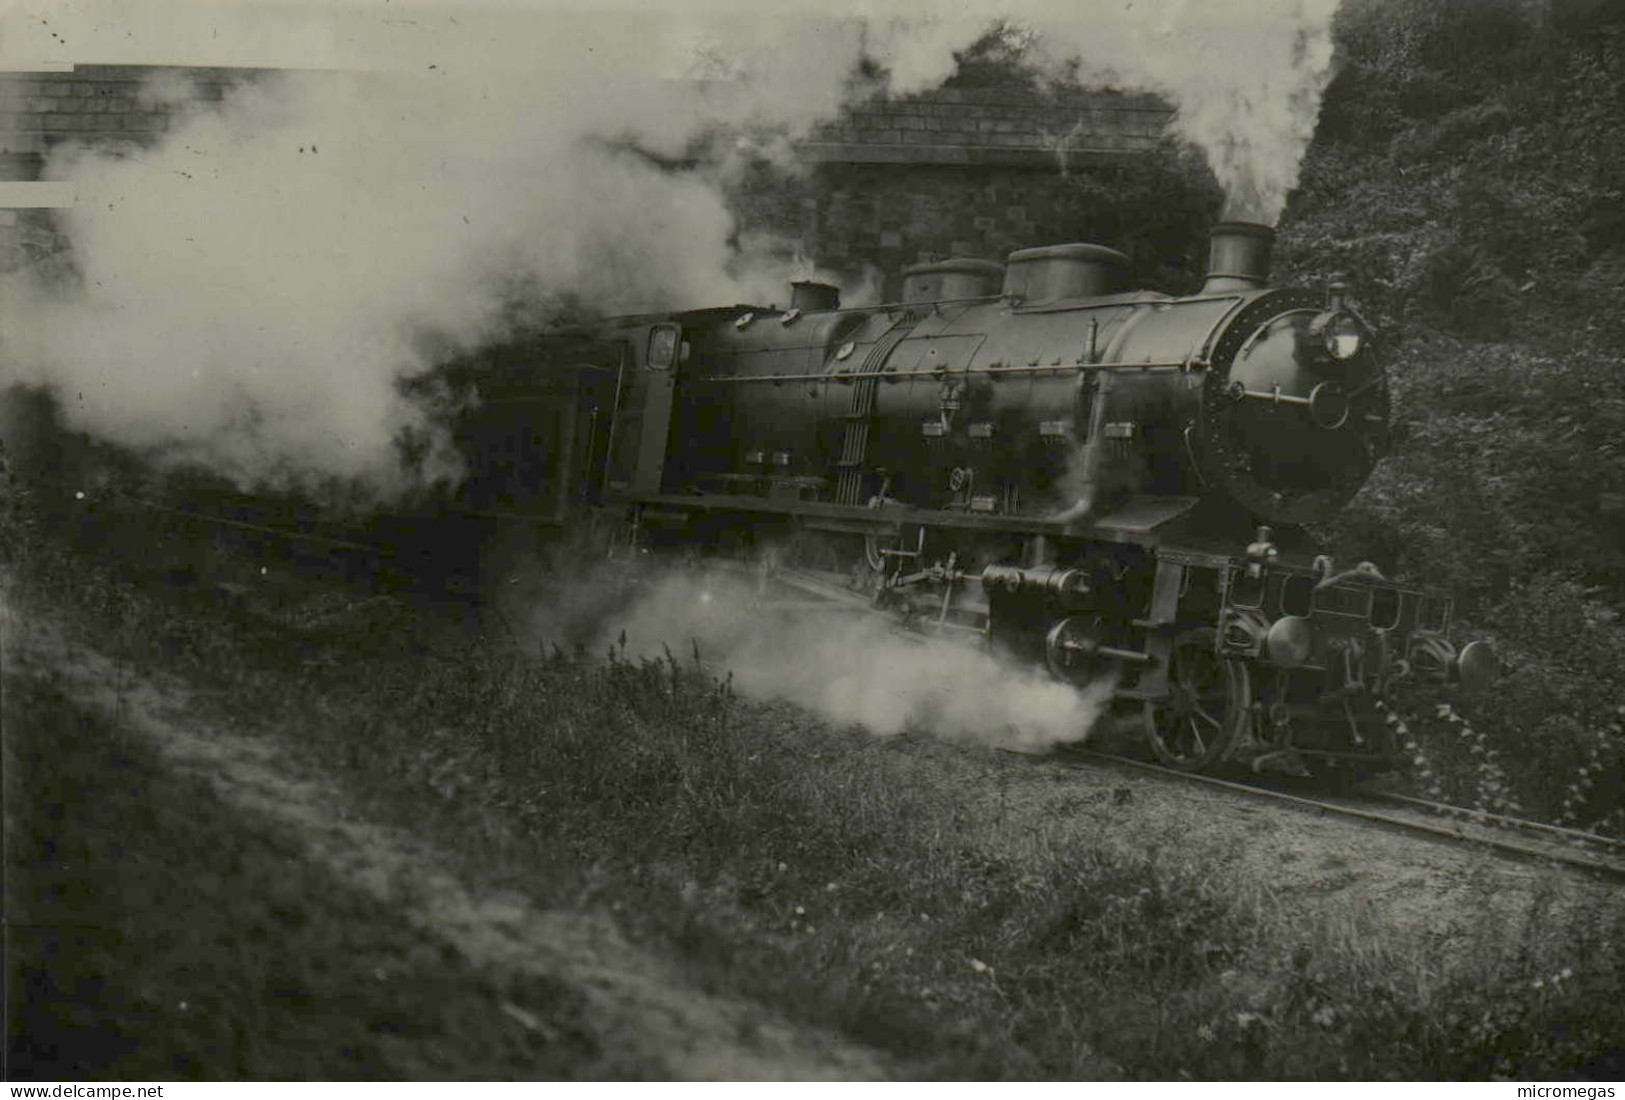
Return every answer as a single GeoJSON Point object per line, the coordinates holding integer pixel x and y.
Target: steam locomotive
{"type": "Point", "coordinates": [1114, 482]}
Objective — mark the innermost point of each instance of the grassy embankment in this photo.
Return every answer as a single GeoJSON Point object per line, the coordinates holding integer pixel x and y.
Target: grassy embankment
{"type": "Point", "coordinates": [156, 934]}
{"type": "Point", "coordinates": [819, 870]}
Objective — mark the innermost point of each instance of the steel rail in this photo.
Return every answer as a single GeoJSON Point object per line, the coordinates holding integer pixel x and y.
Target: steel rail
{"type": "Point", "coordinates": [292, 534]}
{"type": "Point", "coordinates": [1487, 818]}
{"type": "Point", "coordinates": [244, 525]}
{"type": "Point", "coordinates": [1525, 851]}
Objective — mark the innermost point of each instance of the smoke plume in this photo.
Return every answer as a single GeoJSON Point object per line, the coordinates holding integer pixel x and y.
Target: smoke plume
{"type": "Point", "coordinates": [250, 291]}
{"type": "Point", "coordinates": [1245, 76]}
{"type": "Point", "coordinates": [849, 667]}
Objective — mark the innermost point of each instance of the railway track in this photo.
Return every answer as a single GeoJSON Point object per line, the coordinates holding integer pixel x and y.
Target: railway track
{"type": "Point", "coordinates": [1444, 809]}
{"type": "Point", "coordinates": [1539, 842]}
{"type": "Point", "coordinates": [355, 550]}
{"type": "Point", "coordinates": [1552, 844]}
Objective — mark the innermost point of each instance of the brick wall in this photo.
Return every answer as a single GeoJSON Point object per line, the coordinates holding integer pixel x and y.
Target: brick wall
{"type": "Point", "coordinates": [858, 218]}
{"type": "Point", "coordinates": [101, 104]}
{"type": "Point", "coordinates": [97, 103]}
{"type": "Point", "coordinates": [878, 216]}
{"type": "Point", "coordinates": [1010, 125]}
{"type": "Point", "coordinates": [982, 171]}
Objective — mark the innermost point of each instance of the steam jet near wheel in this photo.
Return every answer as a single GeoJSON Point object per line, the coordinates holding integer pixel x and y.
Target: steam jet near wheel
{"type": "Point", "coordinates": [1109, 480]}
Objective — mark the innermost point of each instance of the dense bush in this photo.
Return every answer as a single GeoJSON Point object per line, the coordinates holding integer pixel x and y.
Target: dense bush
{"type": "Point", "coordinates": [1468, 178]}
{"type": "Point", "coordinates": [1468, 171]}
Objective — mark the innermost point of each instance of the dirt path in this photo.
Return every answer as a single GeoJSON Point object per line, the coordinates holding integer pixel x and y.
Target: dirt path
{"type": "Point", "coordinates": [636, 1000]}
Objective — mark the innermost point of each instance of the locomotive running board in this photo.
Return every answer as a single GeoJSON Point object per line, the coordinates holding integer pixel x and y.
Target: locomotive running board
{"type": "Point", "coordinates": [827, 593]}
{"type": "Point", "coordinates": [803, 581]}
{"type": "Point", "coordinates": [1138, 520]}
{"type": "Point", "coordinates": [1143, 515]}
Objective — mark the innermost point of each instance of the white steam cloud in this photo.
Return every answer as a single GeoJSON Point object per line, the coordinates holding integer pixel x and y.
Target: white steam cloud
{"type": "Point", "coordinates": [1245, 78]}
{"type": "Point", "coordinates": [853, 669]}
{"type": "Point", "coordinates": [255, 286]}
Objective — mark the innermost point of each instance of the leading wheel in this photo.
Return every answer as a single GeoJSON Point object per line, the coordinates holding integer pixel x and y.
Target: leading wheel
{"type": "Point", "coordinates": [1206, 707]}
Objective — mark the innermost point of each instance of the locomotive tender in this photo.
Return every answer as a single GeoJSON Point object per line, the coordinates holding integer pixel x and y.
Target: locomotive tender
{"type": "Point", "coordinates": [1113, 481]}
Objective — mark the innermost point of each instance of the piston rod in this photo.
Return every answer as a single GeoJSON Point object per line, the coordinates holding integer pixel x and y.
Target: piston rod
{"type": "Point", "coordinates": [1092, 649]}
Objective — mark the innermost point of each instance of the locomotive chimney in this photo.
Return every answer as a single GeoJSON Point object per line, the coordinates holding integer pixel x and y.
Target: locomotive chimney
{"type": "Point", "coordinates": [810, 297]}
{"type": "Point", "coordinates": [1238, 257]}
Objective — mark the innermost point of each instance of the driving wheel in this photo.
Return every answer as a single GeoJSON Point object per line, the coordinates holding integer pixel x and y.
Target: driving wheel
{"type": "Point", "coordinates": [1206, 708]}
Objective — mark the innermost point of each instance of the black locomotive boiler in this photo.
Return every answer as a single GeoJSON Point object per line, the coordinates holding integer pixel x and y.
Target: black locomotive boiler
{"type": "Point", "coordinates": [1113, 480]}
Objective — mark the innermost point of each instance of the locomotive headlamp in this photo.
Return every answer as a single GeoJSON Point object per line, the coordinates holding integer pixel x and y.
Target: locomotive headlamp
{"type": "Point", "coordinates": [1341, 332]}
{"type": "Point", "coordinates": [1289, 641]}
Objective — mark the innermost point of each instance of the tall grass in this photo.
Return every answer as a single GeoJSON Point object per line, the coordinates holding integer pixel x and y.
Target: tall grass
{"type": "Point", "coordinates": [154, 933]}
{"type": "Point", "coordinates": [842, 877]}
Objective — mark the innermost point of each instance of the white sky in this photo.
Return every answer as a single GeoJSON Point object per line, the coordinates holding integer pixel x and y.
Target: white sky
{"type": "Point", "coordinates": [338, 34]}
{"type": "Point", "coordinates": [268, 33]}
{"type": "Point", "coordinates": [347, 34]}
